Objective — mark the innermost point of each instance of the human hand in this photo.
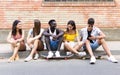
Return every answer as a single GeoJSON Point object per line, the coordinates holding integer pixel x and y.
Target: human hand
{"type": "Point", "coordinates": [31, 39]}
{"type": "Point", "coordinates": [92, 37]}
{"type": "Point", "coordinates": [54, 37]}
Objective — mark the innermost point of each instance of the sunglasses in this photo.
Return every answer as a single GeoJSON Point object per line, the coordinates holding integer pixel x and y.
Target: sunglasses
{"type": "Point", "coordinates": [90, 25]}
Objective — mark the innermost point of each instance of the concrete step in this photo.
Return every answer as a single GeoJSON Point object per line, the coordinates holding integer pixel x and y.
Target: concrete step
{"type": "Point", "coordinates": [112, 34]}
{"type": "Point", "coordinates": [113, 45]}
{"type": "Point", "coordinates": [6, 52]}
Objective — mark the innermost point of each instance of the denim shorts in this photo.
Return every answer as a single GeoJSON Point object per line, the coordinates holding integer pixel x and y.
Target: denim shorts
{"type": "Point", "coordinates": [94, 45]}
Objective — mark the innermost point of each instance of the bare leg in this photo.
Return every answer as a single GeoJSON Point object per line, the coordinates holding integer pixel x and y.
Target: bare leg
{"type": "Point", "coordinates": [34, 48]}
{"type": "Point", "coordinates": [105, 47]}
{"type": "Point", "coordinates": [68, 47]}
{"type": "Point", "coordinates": [60, 42]}
{"type": "Point", "coordinates": [47, 41]}
{"type": "Point", "coordinates": [89, 48]}
{"type": "Point", "coordinates": [15, 53]}
{"type": "Point", "coordinates": [78, 46]}
{"type": "Point", "coordinates": [40, 47]}
{"type": "Point", "coordinates": [92, 59]}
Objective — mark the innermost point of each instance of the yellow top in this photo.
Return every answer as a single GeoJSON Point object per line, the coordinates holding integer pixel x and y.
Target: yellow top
{"type": "Point", "coordinates": [70, 37]}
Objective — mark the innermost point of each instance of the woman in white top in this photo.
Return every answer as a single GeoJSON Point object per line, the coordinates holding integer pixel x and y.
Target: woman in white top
{"type": "Point", "coordinates": [34, 40]}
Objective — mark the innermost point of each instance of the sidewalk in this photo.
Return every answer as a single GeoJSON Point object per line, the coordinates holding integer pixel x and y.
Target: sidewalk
{"type": "Point", "coordinates": [113, 45]}
{"type": "Point", "coordinates": [5, 49]}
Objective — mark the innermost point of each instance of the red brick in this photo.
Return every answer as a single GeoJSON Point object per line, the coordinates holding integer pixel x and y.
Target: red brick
{"type": "Point", "coordinates": [106, 15]}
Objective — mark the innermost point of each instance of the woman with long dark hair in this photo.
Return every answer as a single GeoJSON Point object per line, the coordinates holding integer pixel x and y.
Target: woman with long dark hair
{"type": "Point", "coordinates": [16, 39]}
{"type": "Point", "coordinates": [34, 40]}
{"type": "Point", "coordinates": [70, 36]}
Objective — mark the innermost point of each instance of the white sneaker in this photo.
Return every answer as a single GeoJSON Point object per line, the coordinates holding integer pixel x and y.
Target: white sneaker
{"type": "Point", "coordinates": [112, 59]}
{"type": "Point", "coordinates": [57, 54]}
{"type": "Point", "coordinates": [92, 60]}
{"type": "Point", "coordinates": [36, 56]}
{"type": "Point", "coordinates": [68, 53]}
{"type": "Point", "coordinates": [28, 59]}
{"type": "Point", "coordinates": [82, 54]}
{"type": "Point", "coordinates": [50, 54]}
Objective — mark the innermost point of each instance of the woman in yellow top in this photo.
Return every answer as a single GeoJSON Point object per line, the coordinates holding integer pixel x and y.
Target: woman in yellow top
{"type": "Point", "coordinates": [70, 37]}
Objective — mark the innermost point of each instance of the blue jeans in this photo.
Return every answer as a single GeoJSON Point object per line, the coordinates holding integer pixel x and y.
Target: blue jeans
{"type": "Point", "coordinates": [54, 44]}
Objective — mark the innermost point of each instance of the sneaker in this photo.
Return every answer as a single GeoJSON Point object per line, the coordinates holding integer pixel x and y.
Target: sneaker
{"type": "Point", "coordinates": [28, 59]}
{"type": "Point", "coordinates": [92, 60]}
{"type": "Point", "coordinates": [81, 54]}
{"type": "Point", "coordinates": [36, 56]}
{"type": "Point", "coordinates": [50, 54]}
{"type": "Point", "coordinates": [57, 54]}
{"type": "Point", "coordinates": [68, 53]}
{"type": "Point", "coordinates": [112, 59]}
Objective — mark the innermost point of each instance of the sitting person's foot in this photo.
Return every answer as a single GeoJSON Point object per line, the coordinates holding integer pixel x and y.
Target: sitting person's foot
{"type": "Point", "coordinates": [57, 54]}
{"type": "Point", "coordinates": [11, 59]}
{"type": "Point", "coordinates": [28, 59]}
{"type": "Point", "coordinates": [81, 54]}
{"type": "Point", "coordinates": [50, 54]}
{"type": "Point", "coordinates": [36, 56]}
{"type": "Point", "coordinates": [92, 60]}
{"type": "Point", "coordinates": [17, 57]}
{"type": "Point", "coordinates": [112, 59]}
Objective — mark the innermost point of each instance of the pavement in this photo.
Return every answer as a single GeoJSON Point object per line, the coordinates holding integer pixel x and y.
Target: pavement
{"type": "Point", "coordinates": [58, 67]}
{"type": "Point", "coordinates": [5, 49]}
{"type": "Point", "coordinates": [113, 45]}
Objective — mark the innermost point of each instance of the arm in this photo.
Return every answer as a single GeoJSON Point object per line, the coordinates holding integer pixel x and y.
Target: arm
{"type": "Point", "coordinates": [10, 39]}
{"type": "Point", "coordinates": [61, 33]}
{"type": "Point", "coordinates": [45, 33]}
{"type": "Point", "coordinates": [78, 38]}
{"type": "Point", "coordinates": [38, 36]}
{"type": "Point", "coordinates": [101, 36]}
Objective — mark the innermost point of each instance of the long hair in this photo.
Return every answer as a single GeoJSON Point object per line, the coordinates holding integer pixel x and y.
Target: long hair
{"type": "Point", "coordinates": [14, 29]}
{"type": "Point", "coordinates": [37, 26]}
{"type": "Point", "coordinates": [72, 23]}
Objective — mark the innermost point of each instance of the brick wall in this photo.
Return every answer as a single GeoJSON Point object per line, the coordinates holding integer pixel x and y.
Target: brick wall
{"type": "Point", "coordinates": [106, 15]}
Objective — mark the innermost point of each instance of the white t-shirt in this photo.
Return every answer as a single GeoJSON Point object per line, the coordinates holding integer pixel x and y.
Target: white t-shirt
{"type": "Point", "coordinates": [54, 33]}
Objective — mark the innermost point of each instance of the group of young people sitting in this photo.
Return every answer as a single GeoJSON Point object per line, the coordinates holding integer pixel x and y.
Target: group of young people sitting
{"type": "Point", "coordinates": [90, 38]}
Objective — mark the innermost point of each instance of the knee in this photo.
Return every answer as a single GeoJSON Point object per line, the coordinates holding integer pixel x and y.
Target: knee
{"type": "Point", "coordinates": [46, 39]}
{"type": "Point", "coordinates": [81, 43]}
{"type": "Point", "coordinates": [101, 41]}
{"type": "Point", "coordinates": [87, 42]}
{"type": "Point", "coordinates": [36, 41]}
{"type": "Point", "coordinates": [17, 44]}
{"type": "Point", "coordinates": [29, 42]}
{"type": "Point", "coordinates": [65, 43]}
{"type": "Point", "coordinates": [60, 38]}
